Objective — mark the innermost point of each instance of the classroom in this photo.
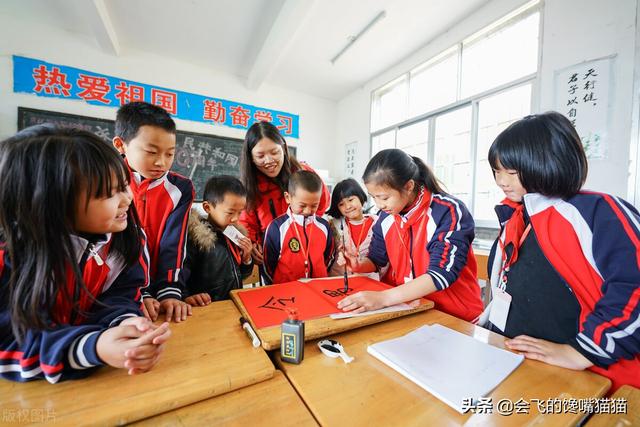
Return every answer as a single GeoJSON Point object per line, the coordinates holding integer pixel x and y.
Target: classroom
{"type": "Point", "coordinates": [320, 212]}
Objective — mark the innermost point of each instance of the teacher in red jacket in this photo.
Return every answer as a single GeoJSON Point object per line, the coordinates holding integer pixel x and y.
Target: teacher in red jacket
{"type": "Point", "coordinates": [265, 168]}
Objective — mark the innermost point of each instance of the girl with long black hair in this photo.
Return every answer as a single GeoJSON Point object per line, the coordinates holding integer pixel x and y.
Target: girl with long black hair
{"type": "Point", "coordinates": [71, 260]}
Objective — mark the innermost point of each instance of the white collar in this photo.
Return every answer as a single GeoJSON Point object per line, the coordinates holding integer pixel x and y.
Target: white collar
{"type": "Point", "coordinates": [348, 221]}
{"type": "Point", "coordinates": [154, 182]}
{"type": "Point", "coordinates": [301, 219]}
{"type": "Point", "coordinates": [80, 244]}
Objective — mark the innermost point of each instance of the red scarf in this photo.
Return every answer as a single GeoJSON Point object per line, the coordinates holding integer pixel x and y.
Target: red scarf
{"type": "Point", "coordinates": [94, 275]}
{"type": "Point", "coordinates": [406, 237]}
{"type": "Point", "coordinates": [514, 232]}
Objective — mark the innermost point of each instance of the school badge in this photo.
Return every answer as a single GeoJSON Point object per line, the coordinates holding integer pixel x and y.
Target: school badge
{"type": "Point", "coordinates": [294, 245]}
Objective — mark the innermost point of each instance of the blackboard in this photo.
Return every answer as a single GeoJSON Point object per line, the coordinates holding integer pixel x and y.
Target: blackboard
{"type": "Point", "coordinates": [198, 156]}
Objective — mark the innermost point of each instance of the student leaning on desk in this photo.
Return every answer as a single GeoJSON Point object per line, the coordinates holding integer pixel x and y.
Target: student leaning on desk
{"type": "Point", "coordinates": [423, 235]}
{"type": "Point", "coordinates": [146, 137]}
{"type": "Point", "coordinates": [565, 271]}
{"type": "Point", "coordinates": [71, 260]}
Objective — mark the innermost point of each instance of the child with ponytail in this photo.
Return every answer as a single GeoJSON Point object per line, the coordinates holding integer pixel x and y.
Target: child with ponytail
{"type": "Point", "coordinates": [424, 237]}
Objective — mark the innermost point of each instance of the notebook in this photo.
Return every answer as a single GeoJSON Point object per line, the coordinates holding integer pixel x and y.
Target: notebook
{"type": "Point", "coordinates": [452, 366]}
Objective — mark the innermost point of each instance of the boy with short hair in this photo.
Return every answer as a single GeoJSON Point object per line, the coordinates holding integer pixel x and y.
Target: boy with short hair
{"type": "Point", "coordinates": [299, 244]}
{"type": "Point", "coordinates": [146, 137]}
{"type": "Point", "coordinates": [215, 264]}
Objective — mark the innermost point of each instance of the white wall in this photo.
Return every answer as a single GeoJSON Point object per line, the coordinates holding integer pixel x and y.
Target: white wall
{"type": "Point", "coordinates": [573, 31]}
{"type": "Point", "coordinates": [580, 30]}
{"type": "Point", "coordinates": [317, 115]}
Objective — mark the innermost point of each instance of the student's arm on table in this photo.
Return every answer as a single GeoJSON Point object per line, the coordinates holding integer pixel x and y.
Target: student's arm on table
{"type": "Point", "coordinates": [607, 334]}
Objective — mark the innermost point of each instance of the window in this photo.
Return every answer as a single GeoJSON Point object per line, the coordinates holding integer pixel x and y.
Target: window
{"type": "Point", "coordinates": [495, 114]}
{"type": "Point", "coordinates": [385, 140]}
{"type": "Point", "coordinates": [452, 155]}
{"type": "Point", "coordinates": [389, 104]}
{"type": "Point", "coordinates": [448, 110]}
{"type": "Point", "coordinates": [434, 84]}
{"type": "Point", "coordinates": [501, 56]}
{"type": "Point", "coordinates": [413, 139]}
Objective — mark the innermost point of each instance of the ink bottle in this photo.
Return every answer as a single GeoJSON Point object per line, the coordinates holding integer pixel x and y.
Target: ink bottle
{"type": "Point", "coordinates": [292, 338]}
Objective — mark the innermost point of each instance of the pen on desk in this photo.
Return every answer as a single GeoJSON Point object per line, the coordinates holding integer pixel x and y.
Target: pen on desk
{"type": "Point", "coordinates": [250, 332]}
{"type": "Point", "coordinates": [346, 279]}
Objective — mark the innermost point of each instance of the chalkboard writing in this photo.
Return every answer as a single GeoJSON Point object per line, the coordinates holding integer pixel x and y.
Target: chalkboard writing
{"type": "Point", "coordinates": [198, 156]}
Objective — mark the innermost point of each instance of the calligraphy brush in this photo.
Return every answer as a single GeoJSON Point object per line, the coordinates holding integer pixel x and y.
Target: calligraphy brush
{"type": "Point", "coordinates": [344, 248]}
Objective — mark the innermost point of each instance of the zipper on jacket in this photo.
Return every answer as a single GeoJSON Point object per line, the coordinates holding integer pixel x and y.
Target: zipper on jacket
{"type": "Point", "coordinates": [272, 208]}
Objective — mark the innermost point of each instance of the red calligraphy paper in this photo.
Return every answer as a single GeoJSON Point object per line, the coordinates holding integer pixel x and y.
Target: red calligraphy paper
{"type": "Point", "coordinates": [267, 306]}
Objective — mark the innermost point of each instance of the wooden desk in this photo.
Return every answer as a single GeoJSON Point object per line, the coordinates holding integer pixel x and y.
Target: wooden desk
{"type": "Point", "coordinates": [630, 418]}
{"type": "Point", "coordinates": [271, 402]}
{"type": "Point", "coordinates": [324, 326]}
{"type": "Point", "coordinates": [368, 392]}
{"type": "Point", "coordinates": [206, 356]}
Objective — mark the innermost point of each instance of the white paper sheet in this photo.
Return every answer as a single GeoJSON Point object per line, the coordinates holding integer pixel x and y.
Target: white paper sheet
{"type": "Point", "coordinates": [452, 366]}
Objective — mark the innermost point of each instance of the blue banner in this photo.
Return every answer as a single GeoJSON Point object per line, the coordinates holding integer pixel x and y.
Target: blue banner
{"type": "Point", "coordinates": [58, 81]}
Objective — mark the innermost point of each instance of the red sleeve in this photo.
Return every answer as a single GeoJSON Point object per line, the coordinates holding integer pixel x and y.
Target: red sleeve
{"type": "Point", "coordinates": [325, 200]}
{"type": "Point", "coordinates": [249, 220]}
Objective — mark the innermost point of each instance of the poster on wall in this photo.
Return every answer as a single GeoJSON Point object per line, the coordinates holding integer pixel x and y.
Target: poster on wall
{"type": "Point", "coordinates": [350, 159]}
{"type": "Point", "coordinates": [582, 94]}
{"type": "Point", "coordinates": [42, 78]}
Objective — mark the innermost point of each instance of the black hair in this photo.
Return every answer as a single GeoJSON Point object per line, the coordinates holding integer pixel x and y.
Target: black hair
{"type": "Point", "coordinates": [217, 186]}
{"type": "Point", "coordinates": [546, 151]}
{"type": "Point", "coordinates": [394, 168]}
{"type": "Point", "coordinates": [307, 180]}
{"type": "Point", "coordinates": [132, 116]}
{"type": "Point", "coordinates": [345, 188]}
{"type": "Point", "coordinates": [45, 171]}
{"type": "Point", "coordinates": [249, 171]}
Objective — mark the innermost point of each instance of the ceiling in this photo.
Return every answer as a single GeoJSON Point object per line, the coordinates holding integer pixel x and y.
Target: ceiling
{"type": "Point", "coordinates": [286, 43]}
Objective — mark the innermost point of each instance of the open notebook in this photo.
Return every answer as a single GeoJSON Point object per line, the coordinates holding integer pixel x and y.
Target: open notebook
{"type": "Point", "coordinates": [448, 364]}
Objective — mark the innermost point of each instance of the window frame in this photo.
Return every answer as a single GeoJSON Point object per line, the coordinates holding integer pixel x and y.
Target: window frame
{"type": "Point", "coordinates": [533, 79]}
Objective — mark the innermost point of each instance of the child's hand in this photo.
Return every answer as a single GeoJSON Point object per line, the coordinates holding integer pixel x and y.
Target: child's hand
{"type": "Point", "coordinates": [115, 342]}
{"type": "Point", "coordinates": [151, 308]}
{"type": "Point", "coordinates": [199, 299]}
{"type": "Point", "coordinates": [363, 301]}
{"type": "Point", "coordinates": [175, 308]}
{"type": "Point", "coordinates": [143, 324]}
{"type": "Point", "coordinates": [353, 264]}
{"type": "Point", "coordinates": [144, 357]}
{"type": "Point", "coordinates": [246, 248]}
{"type": "Point", "coordinates": [562, 355]}
{"type": "Point", "coordinates": [256, 253]}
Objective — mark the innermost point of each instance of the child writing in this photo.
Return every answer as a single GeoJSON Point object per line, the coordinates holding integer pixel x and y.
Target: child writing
{"type": "Point", "coordinates": [299, 244]}
{"type": "Point", "coordinates": [564, 271]}
{"type": "Point", "coordinates": [347, 202]}
{"type": "Point", "coordinates": [146, 136]}
{"type": "Point", "coordinates": [215, 264]}
{"type": "Point", "coordinates": [71, 260]}
{"type": "Point", "coordinates": [423, 234]}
